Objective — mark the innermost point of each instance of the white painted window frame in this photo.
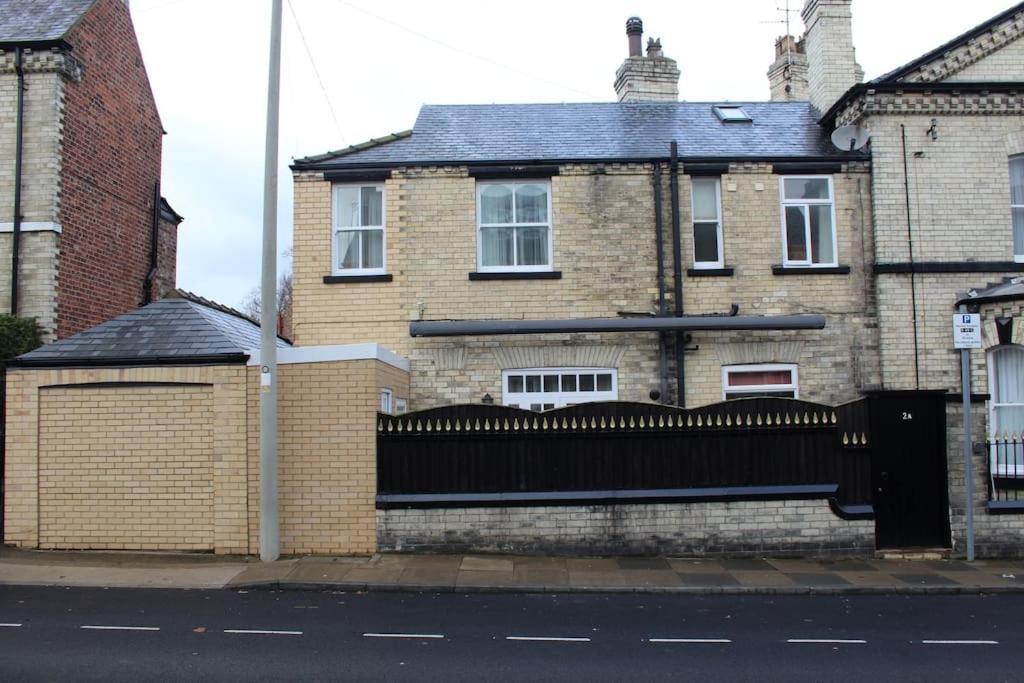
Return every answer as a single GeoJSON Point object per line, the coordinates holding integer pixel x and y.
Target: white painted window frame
{"type": "Point", "coordinates": [480, 185]}
{"type": "Point", "coordinates": [794, 386]}
{"type": "Point", "coordinates": [1018, 258]}
{"type": "Point", "coordinates": [559, 398]}
{"type": "Point", "coordinates": [1006, 470]}
{"type": "Point", "coordinates": [806, 204]}
{"type": "Point", "coordinates": [387, 401]}
{"type": "Point", "coordinates": [720, 263]}
{"type": "Point", "coordinates": [335, 229]}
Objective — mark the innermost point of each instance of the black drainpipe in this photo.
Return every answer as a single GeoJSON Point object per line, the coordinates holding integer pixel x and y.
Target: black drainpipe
{"type": "Point", "coordinates": [19, 126]}
{"type": "Point", "coordinates": [677, 257]}
{"type": "Point", "coordinates": [910, 247]}
{"type": "Point", "coordinates": [662, 305]}
{"type": "Point", "coordinates": [154, 244]}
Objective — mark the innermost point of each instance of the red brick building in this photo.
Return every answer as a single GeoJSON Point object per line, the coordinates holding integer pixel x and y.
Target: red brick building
{"type": "Point", "coordinates": [84, 233]}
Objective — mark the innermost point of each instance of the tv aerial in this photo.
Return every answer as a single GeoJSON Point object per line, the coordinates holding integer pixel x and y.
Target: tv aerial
{"type": "Point", "coordinates": [850, 138]}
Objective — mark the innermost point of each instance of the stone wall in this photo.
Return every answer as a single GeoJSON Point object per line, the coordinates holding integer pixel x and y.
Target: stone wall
{"type": "Point", "coordinates": [604, 247]}
{"type": "Point", "coordinates": [755, 528]}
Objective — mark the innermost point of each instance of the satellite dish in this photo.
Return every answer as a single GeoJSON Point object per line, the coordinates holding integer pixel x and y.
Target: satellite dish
{"type": "Point", "coordinates": [850, 138]}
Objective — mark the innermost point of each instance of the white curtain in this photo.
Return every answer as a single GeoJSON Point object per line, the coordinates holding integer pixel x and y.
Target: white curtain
{"type": "Point", "coordinates": [1017, 199]}
{"type": "Point", "coordinates": [1009, 389]}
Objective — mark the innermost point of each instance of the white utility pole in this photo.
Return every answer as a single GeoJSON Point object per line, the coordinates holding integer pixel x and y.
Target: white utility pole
{"type": "Point", "coordinates": [270, 542]}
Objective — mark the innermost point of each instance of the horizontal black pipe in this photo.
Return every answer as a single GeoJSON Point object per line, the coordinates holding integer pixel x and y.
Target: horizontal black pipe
{"type": "Point", "coordinates": [387, 501]}
{"type": "Point", "coordinates": [950, 267]}
{"type": "Point", "coordinates": [342, 279]}
{"type": "Point", "coordinates": [362, 175]}
{"type": "Point", "coordinates": [807, 167]}
{"type": "Point", "coordinates": [518, 275]}
{"type": "Point", "coordinates": [460, 328]}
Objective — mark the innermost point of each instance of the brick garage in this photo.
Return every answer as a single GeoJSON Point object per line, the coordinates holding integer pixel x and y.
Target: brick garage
{"type": "Point", "coordinates": [164, 455]}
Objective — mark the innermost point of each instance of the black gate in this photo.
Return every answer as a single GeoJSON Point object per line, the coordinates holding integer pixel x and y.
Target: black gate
{"type": "Point", "coordinates": [908, 469]}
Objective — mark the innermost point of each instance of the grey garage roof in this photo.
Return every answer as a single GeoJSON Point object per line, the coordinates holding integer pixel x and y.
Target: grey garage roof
{"type": "Point", "coordinates": [1010, 289]}
{"type": "Point", "coordinates": [606, 131]}
{"type": "Point", "coordinates": [173, 330]}
{"type": "Point", "coordinates": [36, 21]}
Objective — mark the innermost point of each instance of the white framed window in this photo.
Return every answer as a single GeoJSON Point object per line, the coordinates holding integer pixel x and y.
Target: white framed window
{"type": "Point", "coordinates": [1017, 205]}
{"type": "Point", "coordinates": [387, 401]}
{"type": "Point", "coordinates": [358, 234]}
{"type": "Point", "coordinates": [548, 388]}
{"type": "Point", "coordinates": [808, 221]}
{"type": "Point", "coordinates": [1006, 409]}
{"type": "Point", "coordinates": [401, 406]}
{"type": "Point", "coordinates": [762, 379]}
{"type": "Point", "coordinates": [706, 204]}
{"type": "Point", "coordinates": [513, 226]}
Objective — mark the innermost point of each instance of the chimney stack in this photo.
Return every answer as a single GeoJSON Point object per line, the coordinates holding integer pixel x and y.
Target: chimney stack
{"type": "Point", "coordinates": [654, 78]}
{"type": "Point", "coordinates": [832, 67]}
{"type": "Point", "coordinates": [787, 76]}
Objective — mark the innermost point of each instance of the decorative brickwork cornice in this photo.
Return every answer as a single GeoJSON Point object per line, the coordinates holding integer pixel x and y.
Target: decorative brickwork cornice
{"type": "Point", "coordinates": [969, 52]}
{"type": "Point", "coordinates": [45, 61]}
{"type": "Point", "coordinates": [876, 102]}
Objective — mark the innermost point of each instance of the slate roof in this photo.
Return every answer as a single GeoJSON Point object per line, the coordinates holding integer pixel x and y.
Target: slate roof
{"type": "Point", "coordinates": [910, 67]}
{"type": "Point", "coordinates": [1009, 289]}
{"type": "Point", "coordinates": [166, 331]}
{"type": "Point", "coordinates": [29, 21]}
{"type": "Point", "coordinates": [605, 131]}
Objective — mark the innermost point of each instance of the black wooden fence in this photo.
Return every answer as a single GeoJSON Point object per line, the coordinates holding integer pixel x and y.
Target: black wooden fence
{"type": "Point", "coordinates": [593, 452]}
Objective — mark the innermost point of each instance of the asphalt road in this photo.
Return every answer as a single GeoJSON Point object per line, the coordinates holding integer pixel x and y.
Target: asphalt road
{"type": "Point", "coordinates": [122, 634]}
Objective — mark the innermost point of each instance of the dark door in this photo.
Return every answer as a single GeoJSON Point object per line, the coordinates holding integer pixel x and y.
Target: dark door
{"type": "Point", "coordinates": [908, 469]}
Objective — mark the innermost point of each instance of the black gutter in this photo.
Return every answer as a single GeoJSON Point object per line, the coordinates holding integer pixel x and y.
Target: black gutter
{"type": "Point", "coordinates": [145, 362]}
{"type": "Point", "coordinates": [924, 87]}
{"type": "Point", "coordinates": [473, 328]}
{"type": "Point", "coordinates": [377, 165]}
{"type": "Point", "coordinates": [910, 247]}
{"type": "Point", "coordinates": [662, 305]}
{"type": "Point", "coordinates": [949, 267]}
{"type": "Point", "coordinates": [35, 45]}
{"type": "Point", "coordinates": [677, 264]}
{"type": "Point", "coordinates": [19, 127]}
{"type": "Point", "coordinates": [154, 244]}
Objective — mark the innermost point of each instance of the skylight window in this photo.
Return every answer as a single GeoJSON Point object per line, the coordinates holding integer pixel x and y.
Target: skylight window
{"type": "Point", "coordinates": [731, 113]}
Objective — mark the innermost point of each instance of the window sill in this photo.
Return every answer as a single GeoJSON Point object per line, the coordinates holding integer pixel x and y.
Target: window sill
{"type": "Point", "coordinates": [710, 272]}
{"type": "Point", "coordinates": [518, 275]}
{"type": "Point", "coordinates": [341, 279]}
{"type": "Point", "coordinates": [810, 270]}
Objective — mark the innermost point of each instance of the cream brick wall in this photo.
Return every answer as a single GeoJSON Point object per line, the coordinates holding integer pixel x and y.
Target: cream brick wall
{"type": "Point", "coordinates": [828, 42]}
{"type": "Point", "coordinates": [126, 468]}
{"type": "Point", "coordinates": [604, 246]}
{"type": "Point", "coordinates": [1005, 64]}
{"type": "Point", "coordinates": [326, 453]}
{"type": "Point", "coordinates": [168, 458]}
{"type": "Point", "coordinates": [40, 187]}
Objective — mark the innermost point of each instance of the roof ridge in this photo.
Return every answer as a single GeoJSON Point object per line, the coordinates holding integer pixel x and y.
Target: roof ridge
{"type": "Point", "coordinates": [179, 293]}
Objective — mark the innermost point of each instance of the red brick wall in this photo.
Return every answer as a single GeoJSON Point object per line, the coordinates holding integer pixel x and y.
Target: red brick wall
{"type": "Point", "coordinates": [111, 161]}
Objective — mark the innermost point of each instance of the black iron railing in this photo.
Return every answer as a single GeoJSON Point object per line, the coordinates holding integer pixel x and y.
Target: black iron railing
{"type": "Point", "coordinates": [1006, 467]}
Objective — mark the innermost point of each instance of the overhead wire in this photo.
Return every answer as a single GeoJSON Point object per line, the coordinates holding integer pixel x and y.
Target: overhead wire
{"type": "Point", "coordinates": [467, 53]}
{"type": "Point", "coordinates": [316, 71]}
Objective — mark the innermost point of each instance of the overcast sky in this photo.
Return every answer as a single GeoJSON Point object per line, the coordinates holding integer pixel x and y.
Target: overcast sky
{"type": "Point", "coordinates": [379, 61]}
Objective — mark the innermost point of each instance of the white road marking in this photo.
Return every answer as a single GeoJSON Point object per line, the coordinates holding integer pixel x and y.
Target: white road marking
{"type": "Point", "coordinates": [119, 628]}
{"type": "Point", "coordinates": [10, 625]}
{"type": "Point", "coordinates": [959, 642]}
{"type": "Point", "coordinates": [403, 635]}
{"type": "Point", "coordinates": [548, 639]}
{"type": "Point", "coordinates": [688, 640]}
{"type": "Point", "coordinates": [259, 632]}
{"type": "Point", "coordinates": [828, 641]}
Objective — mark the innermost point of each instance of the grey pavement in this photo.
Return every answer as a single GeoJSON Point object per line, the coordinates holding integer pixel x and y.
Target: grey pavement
{"type": "Point", "coordinates": [507, 573]}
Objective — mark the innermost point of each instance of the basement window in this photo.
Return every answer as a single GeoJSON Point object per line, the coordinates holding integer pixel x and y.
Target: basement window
{"type": "Point", "coordinates": [749, 381]}
{"type": "Point", "coordinates": [547, 388]}
{"type": "Point", "coordinates": [729, 113]}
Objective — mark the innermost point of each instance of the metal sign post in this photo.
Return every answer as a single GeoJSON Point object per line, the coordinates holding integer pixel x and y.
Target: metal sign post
{"type": "Point", "coordinates": [967, 336]}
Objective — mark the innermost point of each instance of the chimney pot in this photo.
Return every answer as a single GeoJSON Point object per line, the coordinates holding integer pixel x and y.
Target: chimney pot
{"type": "Point", "coordinates": [635, 31]}
{"type": "Point", "coordinates": [654, 47]}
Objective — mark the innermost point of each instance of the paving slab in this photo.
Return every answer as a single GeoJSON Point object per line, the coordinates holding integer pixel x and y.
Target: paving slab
{"type": "Point", "coordinates": [930, 579]}
{"type": "Point", "coordinates": [487, 564]}
{"type": "Point", "coordinates": [484, 579]}
{"type": "Point", "coordinates": [174, 576]}
{"type": "Point", "coordinates": [325, 573]}
{"type": "Point", "coordinates": [761, 578]}
{"type": "Point", "coordinates": [697, 566]}
{"type": "Point", "coordinates": [817, 579]}
{"type": "Point", "coordinates": [264, 573]}
{"type": "Point", "coordinates": [747, 565]}
{"type": "Point", "coordinates": [708, 580]}
{"type": "Point", "coordinates": [428, 576]}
